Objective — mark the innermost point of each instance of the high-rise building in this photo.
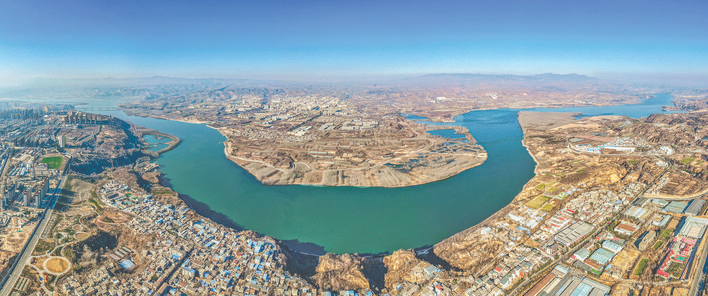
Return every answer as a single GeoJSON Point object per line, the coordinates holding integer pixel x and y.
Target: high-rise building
{"type": "Point", "coordinates": [62, 141]}
{"type": "Point", "coordinates": [26, 198]}
{"type": "Point", "coordinates": [44, 187]}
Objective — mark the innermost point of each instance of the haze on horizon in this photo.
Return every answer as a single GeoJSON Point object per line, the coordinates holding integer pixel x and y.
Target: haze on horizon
{"type": "Point", "coordinates": [339, 40]}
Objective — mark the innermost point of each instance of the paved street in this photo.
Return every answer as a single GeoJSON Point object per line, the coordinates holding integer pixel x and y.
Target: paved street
{"type": "Point", "coordinates": [700, 274]}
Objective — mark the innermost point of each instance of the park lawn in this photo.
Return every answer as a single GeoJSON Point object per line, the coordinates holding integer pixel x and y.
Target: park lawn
{"type": "Point", "coordinates": [537, 202]}
{"type": "Point", "coordinates": [53, 162]}
{"type": "Point", "coordinates": [666, 234]}
{"type": "Point", "coordinates": [640, 267]}
{"type": "Point", "coordinates": [43, 246]}
{"type": "Point", "coordinates": [547, 207]}
{"type": "Point", "coordinates": [675, 269]}
{"type": "Point", "coordinates": [658, 244]}
{"type": "Point", "coordinates": [688, 160]}
{"type": "Point", "coordinates": [96, 203]}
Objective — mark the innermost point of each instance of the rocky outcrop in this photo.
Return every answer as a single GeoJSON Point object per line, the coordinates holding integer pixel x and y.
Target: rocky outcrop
{"type": "Point", "coordinates": [399, 265]}
{"type": "Point", "coordinates": [676, 129]}
{"type": "Point", "coordinates": [340, 272]}
{"type": "Point", "coordinates": [96, 164]}
{"type": "Point", "coordinates": [469, 251]}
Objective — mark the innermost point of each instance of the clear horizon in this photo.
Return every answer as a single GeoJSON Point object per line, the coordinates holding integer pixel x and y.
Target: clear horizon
{"type": "Point", "coordinates": [318, 40]}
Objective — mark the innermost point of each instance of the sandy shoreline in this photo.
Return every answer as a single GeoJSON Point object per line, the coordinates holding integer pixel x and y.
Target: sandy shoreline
{"type": "Point", "coordinates": [164, 117]}
{"type": "Point", "coordinates": [535, 167]}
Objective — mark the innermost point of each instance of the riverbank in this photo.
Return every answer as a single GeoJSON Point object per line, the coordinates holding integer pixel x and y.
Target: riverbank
{"type": "Point", "coordinates": [293, 246]}
{"type": "Point", "coordinates": [380, 201]}
{"type": "Point", "coordinates": [470, 248]}
{"type": "Point", "coordinates": [559, 176]}
{"type": "Point", "coordinates": [451, 117]}
{"type": "Point", "coordinates": [541, 121]}
{"type": "Point", "coordinates": [128, 112]}
{"type": "Point", "coordinates": [364, 220]}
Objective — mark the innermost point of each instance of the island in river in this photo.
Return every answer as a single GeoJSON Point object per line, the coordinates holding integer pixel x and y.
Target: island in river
{"type": "Point", "coordinates": [328, 142]}
{"type": "Point", "coordinates": [339, 136]}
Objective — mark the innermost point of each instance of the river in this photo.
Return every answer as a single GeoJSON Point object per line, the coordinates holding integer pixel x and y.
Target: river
{"type": "Point", "coordinates": [362, 220]}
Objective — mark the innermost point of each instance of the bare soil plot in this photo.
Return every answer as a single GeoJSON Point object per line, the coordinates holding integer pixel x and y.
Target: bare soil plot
{"type": "Point", "coordinates": [57, 265]}
{"type": "Point", "coordinates": [625, 259]}
{"type": "Point", "coordinates": [16, 240]}
{"type": "Point", "coordinates": [81, 189]}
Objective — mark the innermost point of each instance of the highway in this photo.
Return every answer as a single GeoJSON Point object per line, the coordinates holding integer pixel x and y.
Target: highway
{"type": "Point", "coordinates": [16, 270]}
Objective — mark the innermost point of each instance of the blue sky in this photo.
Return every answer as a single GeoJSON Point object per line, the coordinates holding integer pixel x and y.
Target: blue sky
{"type": "Point", "coordinates": [336, 39]}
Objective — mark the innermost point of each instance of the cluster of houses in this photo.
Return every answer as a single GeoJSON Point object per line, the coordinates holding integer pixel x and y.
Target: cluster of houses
{"type": "Point", "coordinates": [596, 144]}
{"type": "Point", "coordinates": [580, 216]}
{"type": "Point", "coordinates": [681, 249]}
{"type": "Point", "coordinates": [597, 253]}
{"type": "Point", "coordinates": [554, 235]}
{"type": "Point", "coordinates": [562, 281]}
{"type": "Point", "coordinates": [193, 256]}
{"type": "Point", "coordinates": [601, 144]}
{"type": "Point", "coordinates": [186, 255]}
{"type": "Point", "coordinates": [426, 273]}
{"type": "Point", "coordinates": [517, 262]}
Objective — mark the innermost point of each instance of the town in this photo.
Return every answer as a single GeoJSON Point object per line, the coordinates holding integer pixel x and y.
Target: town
{"type": "Point", "coordinates": [76, 237]}
{"type": "Point", "coordinates": [625, 217]}
{"type": "Point", "coordinates": [313, 140]}
{"type": "Point", "coordinates": [354, 148]}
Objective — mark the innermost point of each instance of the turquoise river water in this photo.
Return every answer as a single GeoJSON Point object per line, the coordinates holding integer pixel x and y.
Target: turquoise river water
{"type": "Point", "coordinates": [362, 220]}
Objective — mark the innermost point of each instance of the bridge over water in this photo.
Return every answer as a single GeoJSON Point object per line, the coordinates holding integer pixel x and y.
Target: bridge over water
{"type": "Point", "coordinates": [96, 108]}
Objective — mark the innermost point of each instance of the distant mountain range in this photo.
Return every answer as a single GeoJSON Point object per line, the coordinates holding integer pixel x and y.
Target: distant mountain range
{"type": "Point", "coordinates": [152, 80]}
{"type": "Point", "coordinates": [158, 86]}
{"type": "Point", "coordinates": [509, 77]}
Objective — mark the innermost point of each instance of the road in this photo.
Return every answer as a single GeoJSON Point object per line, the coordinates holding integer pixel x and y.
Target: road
{"type": "Point", "coordinates": [24, 256]}
{"type": "Point", "coordinates": [676, 198]}
{"type": "Point", "coordinates": [700, 271]}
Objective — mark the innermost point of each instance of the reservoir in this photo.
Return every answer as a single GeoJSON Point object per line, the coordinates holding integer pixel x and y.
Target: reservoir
{"type": "Point", "coordinates": [362, 220]}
